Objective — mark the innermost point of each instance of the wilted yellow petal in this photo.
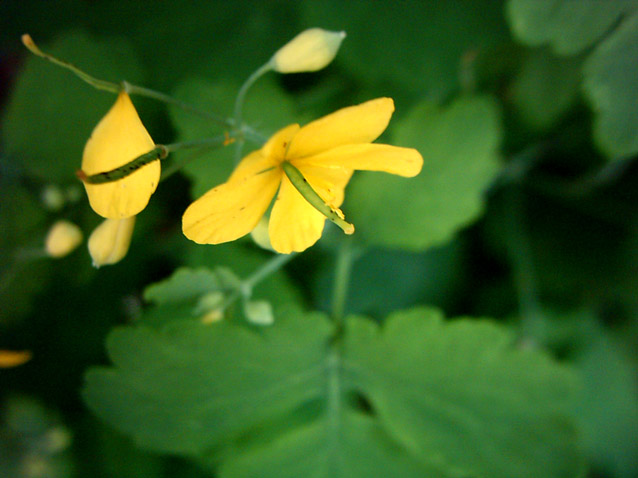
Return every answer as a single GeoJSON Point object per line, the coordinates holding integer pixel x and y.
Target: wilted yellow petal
{"type": "Point", "coordinates": [230, 210]}
{"type": "Point", "coordinates": [13, 358]}
{"type": "Point", "coordinates": [295, 224]}
{"type": "Point", "coordinates": [119, 138]}
{"type": "Point", "coordinates": [405, 162]}
{"type": "Point", "coordinates": [109, 242]}
{"type": "Point", "coordinates": [356, 124]}
{"type": "Point", "coordinates": [62, 239]}
{"type": "Point", "coordinates": [311, 50]}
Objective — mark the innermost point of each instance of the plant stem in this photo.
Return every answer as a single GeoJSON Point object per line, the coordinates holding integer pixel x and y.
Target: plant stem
{"type": "Point", "coordinates": [273, 265]}
{"type": "Point", "coordinates": [157, 95]}
{"type": "Point", "coordinates": [343, 269]}
{"type": "Point", "coordinates": [521, 257]}
{"type": "Point", "coordinates": [239, 104]}
{"type": "Point", "coordinates": [246, 286]}
{"type": "Point", "coordinates": [128, 87]}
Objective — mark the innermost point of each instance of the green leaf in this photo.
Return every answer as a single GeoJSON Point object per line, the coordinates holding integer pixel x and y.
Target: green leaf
{"type": "Point", "coordinates": [287, 400]}
{"type": "Point", "coordinates": [423, 53]}
{"type": "Point", "coordinates": [545, 88]}
{"type": "Point", "coordinates": [190, 387]}
{"type": "Point", "coordinates": [356, 447]}
{"type": "Point", "coordinates": [460, 396]}
{"type": "Point", "coordinates": [267, 109]}
{"type": "Point", "coordinates": [459, 145]}
{"type": "Point", "coordinates": [610, 82]}
{"type": "Point", "coordinates": [609, 410]}
{"type": "Point", "coordinates": [568, 26]}
{"type": "Point", "coordinates": [51, 113]}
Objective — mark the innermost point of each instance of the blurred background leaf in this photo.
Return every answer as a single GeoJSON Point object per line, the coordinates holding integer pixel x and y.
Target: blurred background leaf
{"type": "Point", "coordinates": [459, 144]}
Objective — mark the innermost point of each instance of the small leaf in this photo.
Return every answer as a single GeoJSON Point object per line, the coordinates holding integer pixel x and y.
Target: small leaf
{"type": "Point", "coordinates": [459, 146]}
{"type": "Point", "coordinates": [610, 82]}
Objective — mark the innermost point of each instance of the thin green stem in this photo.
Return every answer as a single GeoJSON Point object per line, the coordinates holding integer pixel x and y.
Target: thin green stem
{"type": "Point", "coordinates": [345, 259]}
{"type": "Point", "coordinates": [273, 265]}
{"type": "Point", "coordinates": [239, 104]}
{"type": "Point", "coordinates": [128, 87]}
{"type": "Point", "coordinates": [521, 257]}
{"type": "Point", "coordinates": [94, 82]}
{"type": "Point", "coordinates": [246, 286]}
{"type": "Point", "coordinates": [156, 95]}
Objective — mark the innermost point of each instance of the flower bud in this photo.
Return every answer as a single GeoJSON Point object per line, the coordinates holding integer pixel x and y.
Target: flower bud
{"type": "Point", "coordinates": [62, 239]}
{"type": "Point", "coordinates": [53, 197]}
{"type": "Point", "coordinates": [311, 50]}
{"type": "Point", "coordinates": [14, 358]}
{"type": "Point", "coordinates": [260, 234]}
{"type": "Point", "coordinates": [259, 312]}
{"type": "Point", "coordinates": [109, 241]}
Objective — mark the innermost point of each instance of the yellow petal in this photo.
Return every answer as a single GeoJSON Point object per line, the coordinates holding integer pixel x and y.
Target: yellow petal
{"type": "Point", "coordinates": [119, 138]}
{"type": "Point", "coordinates": [269, 156]}
{"type": "Point", "coordinates": [329, 182]}
{"type": "Point", "coordinates": [405, 162]}
{"type": "Point", "coordinates": [62, 239]}
{"type": "Point", "coordinates": [279, 143]}
{"type": "Point", "coordinates": [294, 224]}
{"type": "Point", "coordinates": [356, 124]}
{"type": "Point", "coordinates": [231, 210]}
{"type": "Point", "coordinates": [109, 242]}
{"type": "Point", "coordinates": [13, 358]}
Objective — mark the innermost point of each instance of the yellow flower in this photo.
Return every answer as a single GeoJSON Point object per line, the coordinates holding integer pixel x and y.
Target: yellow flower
{"type": "Point", "coordinates": [311, 50]}
{"type": "Point", "coordinates": [62, 239]}
{"type": "Point", "coordinates": [119, 138]}
{"type": "Point", "coordinates": [109, 242]}
{"type": "Point", "coordinates": [326, 152]}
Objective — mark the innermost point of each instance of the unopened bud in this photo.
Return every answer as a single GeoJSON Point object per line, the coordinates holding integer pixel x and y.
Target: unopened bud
{"type": "Point", "coordinates": [13, 358]}
{"type": "Point", "coordinates": [53, 197]}
{"type": "Point", "coordinates": [311, 50]}
{"type": "Point", "coordinates": [259, 312]}
{"type": "Point", "coordinates": [62, 239]}
{"type": "Point", "coordinates": [109, 242]}
{"type": "Point", "coordinates": [260, 234]}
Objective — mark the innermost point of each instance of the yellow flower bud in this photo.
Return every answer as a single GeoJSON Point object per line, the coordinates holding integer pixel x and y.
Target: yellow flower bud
{"type": "Point", "coordinates": [311, 50]}
{"type": "Point", "coordinates": [62, 239]}
{"type": "Point", "coordinates": [109, 241]}
{"type": "Point", "coordinates": [13, 358]}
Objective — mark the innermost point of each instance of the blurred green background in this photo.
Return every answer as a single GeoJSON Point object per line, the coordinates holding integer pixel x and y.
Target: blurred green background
{"type": "Point", "coordinates": [526, 113]}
